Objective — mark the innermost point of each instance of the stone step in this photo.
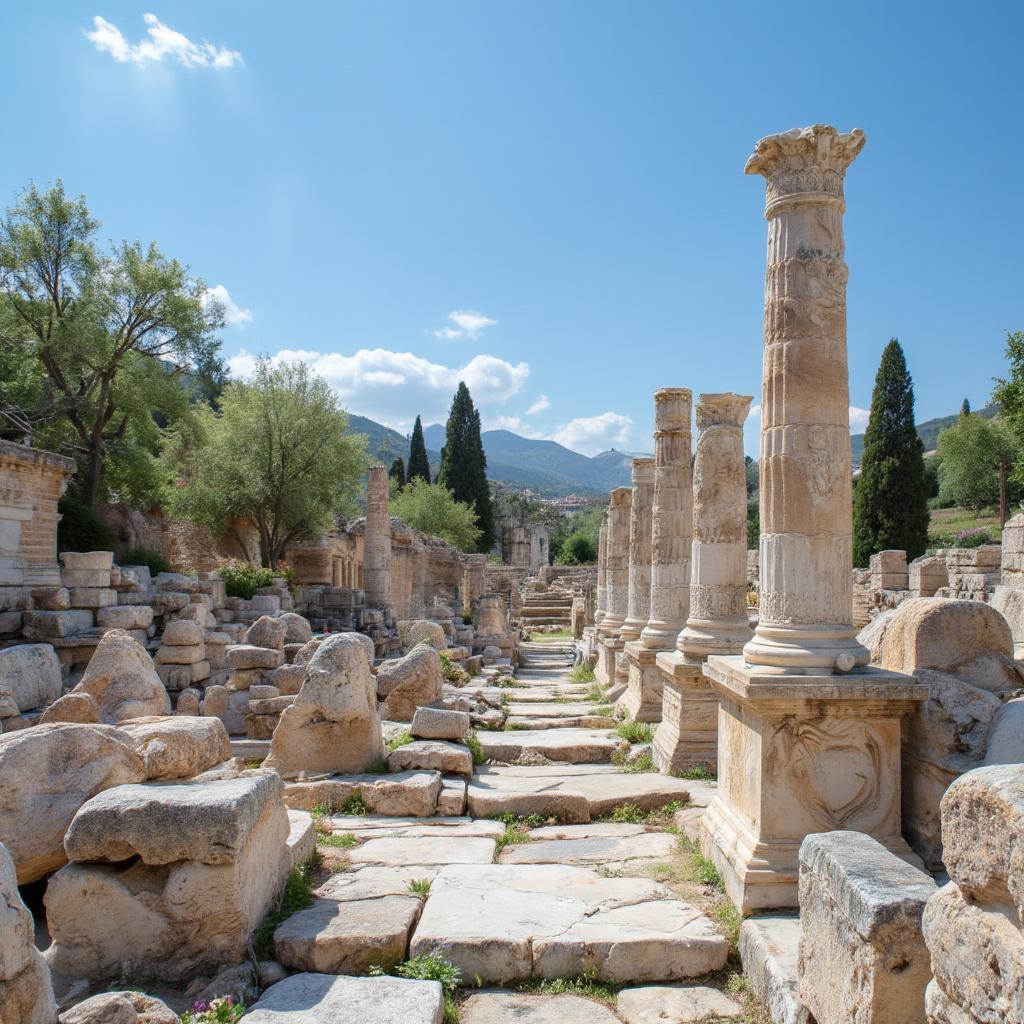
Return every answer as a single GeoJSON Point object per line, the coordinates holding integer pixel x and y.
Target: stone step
{"type": "Point", "coordinates": [624, 848]}
{"type": "Point", "coordinates": [570, 746]}
{"type": "Point", "coordinates": [564, 722]}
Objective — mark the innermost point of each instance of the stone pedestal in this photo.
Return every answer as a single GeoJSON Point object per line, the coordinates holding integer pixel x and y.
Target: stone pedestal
{"type": "Point", "coordinates": [642, 699]}
{"type": "Point", "coordinates": [688, 734]}
{"type": "Point", "coordinates": [796, 755]}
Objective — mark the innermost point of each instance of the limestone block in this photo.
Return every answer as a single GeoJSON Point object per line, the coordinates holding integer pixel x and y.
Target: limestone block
{"type": "Point", "coordinates": [180, 655]}
{"type": "Point", "coordinates": [92, 597]}
{"type": "Point", "coordinates": [497, 1007]}
{"type": "Point", "coordinates": [409, 683]}
{"type": "Point", "coordinates": [287, 678]}
{"type": "Point", "coordinates": [248, 656]}
{"type": "Point", "coordinates": [266, 603]}
{"type": "Point", "coordinates": [408, 794]}
{"type": "Point", "coordinates": [179, 747]}
{"type": "Point", "coordinates": [181, 677]}
{"type": "Point", "coordinates": [51, 599]}
{"type": "Point", "coordinates": [452, 798]}
{"type": "Point", "coordinates": [676, 1003]}
{"type": "Point", "coordinates": [333, 724]}
{"type": "Point", "coordinates": [230, 706]}
{"type": "Point", "coordinates": [263, 692]}
{"type": "Point", "coordinates": [121, 678]}
{"type": "Point", "coordinates": [125, 616]}
{"type": "Point", "coordinates": [440, 724]}
{"type": "Point", "coordinates": [862, 954]}
{"type": "Point", "coordinates": [297, 629]}
{"type": "Point", "coordinates": [432, 755]}
{"type": "Point", "coordinates": [51, 625]}
{"type": "Point", "coordinates": [267, 632]}
{"type": "Point", "coordinates": [72, 707]}
{"type": "Point", "coordinates": [169, 601]}
{"type": "Point", "coordinates": [26, 995]}
{"type": "Point", "coordinates": [29, 678]}
{"type": "Point", "coordinates": [420, 630]}
{"type": "Point", "coordinates": [182, 633]}
{"type": "Point", "coordinates": [188, 702]}
{"type": "Point", "coordinates": [49, 772]}
{"type": "Point", "coordinates": [102, 561]}
{"type": "Point", "coordinates": [120, 1008]}
{"type": "Point", "coordinates": [84, 579]}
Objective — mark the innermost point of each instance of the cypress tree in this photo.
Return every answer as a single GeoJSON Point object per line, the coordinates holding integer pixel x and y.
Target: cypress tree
{"type": "Point", "coordinates": [965, 409]}
{"type": "Point", "coordinates": [419, 465]}
{"type": "Point", "coordinates": [464, 464]}
{"type": "Point", "coordinates": [397, 471]}
{"type": "Point", "coordinates": [890, 508]}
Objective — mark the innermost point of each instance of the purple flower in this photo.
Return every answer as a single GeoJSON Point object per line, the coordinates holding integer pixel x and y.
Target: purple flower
{"type": "Point", "coordinates": [200, 1006]}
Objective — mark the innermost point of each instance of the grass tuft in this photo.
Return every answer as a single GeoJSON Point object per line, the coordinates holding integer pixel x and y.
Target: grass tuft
{"type": "Point", "coordinates": [475, 748]}
{"type": "Point", "coordinates": [434, 967]}
{"type": "Point", "coordinates": [338, 840]}
{"type": "Point", "coordinates": [354, 806]}
{"type": "Point", "coordinates": [582, 673]}
{"type": "Point", "coordinates": [517, 829]}
{"type": "Point", "coordinates": [698, 773]}
{"type": "Point", "coordinates": [598, 694]}
{"type": "Point", "coordinates": [403, 739]}
{"type": "Point", "coordinates": [636, 732]}
{"type": "Point", "coordinates": [296, 895]}
{"type": "Point", "coordinates": [420, 886]}
{"type": "Point", "coordinates": [586, 985]}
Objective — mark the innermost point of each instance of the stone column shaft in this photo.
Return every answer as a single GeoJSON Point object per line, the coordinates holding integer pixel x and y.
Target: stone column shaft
{"type": "Point", "coordinates": [616, 572]}
{"type": "Point", "coordinates": [639, 601]}
{"type": "Point", "coordinates": [602, 557]}
{"type": "Point", "coordinates": [377, 540]}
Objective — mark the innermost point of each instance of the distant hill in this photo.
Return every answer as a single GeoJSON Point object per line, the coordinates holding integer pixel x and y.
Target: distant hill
{"type": "Point", "coordinates": [928, 431]}
{"type": "Point", "coordinates": [387, 444]}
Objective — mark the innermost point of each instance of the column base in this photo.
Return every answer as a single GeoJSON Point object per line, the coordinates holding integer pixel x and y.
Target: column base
{"type": "Point", "coordinates": [797, 754]}
{"type": "Point", "coordinates": [805, 649]}
{"type": "Point", "coordinates": [605, 669]}
{"type": "Point", "coordinates": [688, 734]}
{"type": "Point", "coordinates": [642, 699]}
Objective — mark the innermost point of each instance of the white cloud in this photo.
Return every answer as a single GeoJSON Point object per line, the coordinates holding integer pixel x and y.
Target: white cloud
{"type": "Point", "coordinates": [163, 42]}
{"type": "Point", "coordinates": [234, 315]}
{"type": "Point", "coordinates": [394, 387]}
{"type": "Point", "coordinates": [858, 419]}
{"type": "Point", "coordinates": [593, 434]}
{"type": "Point", "coordinates": [540, 405]}
{"type": "Point", "coordinates": [468, 324]}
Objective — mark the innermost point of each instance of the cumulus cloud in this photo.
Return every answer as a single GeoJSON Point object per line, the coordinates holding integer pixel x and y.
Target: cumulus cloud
{"type": "Point", "coordinates": [163, 42]}
{"type": "Point", "coordinates": [234, 315]}
{"type": "Point", "coordinates": [394, 387]}
{"type": "Point", "coordinates": [540, 405]}
{"type": "Point", "coordinates": [468, 324]}
{"type": "Point", "coordinates": [593, 434]}
{"type": "Point", "coordinates": [858, 419]}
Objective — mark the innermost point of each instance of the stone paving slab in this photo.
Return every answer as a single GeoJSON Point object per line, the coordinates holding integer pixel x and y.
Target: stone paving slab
{"type": "Point", "coordinates": [572, 746]}
{"type": "Point", "coordinates": [507, 921]}
{"type": "Point", "coordinates": [371, 881]}
{"type": "Point", "coordinates": [551, 709]}
{"type": "Point", "coordinates": [569, 722]}
{"type": "Point", "coordinates": [406, 828]}
{"type": "Point", "coordinates": [769, 948]}
{"type": "Point", "coordinates": [424, 850]}
{"type": "Point", "coordinates": [497, 1007]}
{"type": "Point", "coordinates": [596, 850]}
{"type": "Point", "coordinates": [680, 1004]}
{"type": "Point", "coordinates": [594, 830]}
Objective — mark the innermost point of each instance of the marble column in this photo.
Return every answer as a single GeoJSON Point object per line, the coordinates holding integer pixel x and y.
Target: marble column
{"type": "Point", "coordinates": [717, 622]}
{"type": "Point", "coordinates": [808, 735]}
{"type": "Point", "coordinates": [602, 555]}
{"type": "Point", "coordinates": [639, 601]}
{"type": "Point", "coordinates": [616, 584]}
{"type": "Point", "coordinates": [377, 540]}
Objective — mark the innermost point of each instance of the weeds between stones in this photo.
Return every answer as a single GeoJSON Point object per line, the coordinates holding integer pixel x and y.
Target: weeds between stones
{"type": "Point", "coordinates": [583, 673]}
{"type": "Point", "coordinates": [337, 840]}
{"type": "Point", "coordinates": [479, 757]}
{"type": "Point", "coordinates": [517, 829]}
{"type": "Point", "coordinates": [420, 886]}
{"type": "Point", "coordinates": [403, 739]}
{"type": "Point", "coordinates": [636, 732]}
{"type": "Point", "coordinates": [296, 895]}
{"type": "Point", "coordinates": [598, 693]}
{"type": "Point", "coordinates": [586, 985]}
{"type": "Point", "coordinates": [698, 773]}
{"type": "Point", "coordinates": [644, 763]}
{"type": "Point", "coordinates": [433, 967]}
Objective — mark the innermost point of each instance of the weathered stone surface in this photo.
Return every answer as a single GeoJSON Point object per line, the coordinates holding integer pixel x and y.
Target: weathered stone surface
{"type": "Point", "coordinates": [179, 747]}
{"type": "Point", "coordinates": [238, 981]}
{"type": "Point", "coordinates": [394, 851]}
{"type": "Point", "coordinates": [510, 921]}
{"type": "Point", "coordinates": [333, 725]}
{"type": "Point", "coordinates": [296, 628]}
{"type": "Point", "coordinates": [92, 597]}
{"type": "Point", "coordinates": [862, 954]}
{"type": "Point", "coordinates": [29, 678]}
{"type": "Point", "coordinates": [575, 746]}
{"type": "Point", "coordinates": [180, 655]}
{"type": "Point", "coordinates": [432, 755]}
{"type": "Point", "coordinates": [371, 881]}
{"type": "Point", "coordinates": [49, 772]}
{"type": "Point", "coordinates": [42, 625]}
{"type": "Point", "coordinates": [593, 850]}
{"type": "Point", "coordinates": [287, 678]}
{"type": "Point", "coordinates": [188, 702]}
{"type": "Point", "coordinates": [51, 599]}
{"type": "Point", "coordinates": [120, 1008]}
{"type": "Point", "coordinates": [440, 724]}
{"type": "Point", "coordinates": [680, 1004]}
{"type": "Point", "coordinates": [206, 821]}
{"type": "Point", "coordinates": [97, 561]}
{"type": "Point", "coordinates": [72, 707]}
{"type": "Point", "coordinates": [182, 633]}
{"type": "Point", "coordinates": [424, 629]}
{"type": "Point", "coordinates": [301, 837]}
{"type": "Point", "coordinates": [406, 793]}
{"type": "Point", "coordinates": [326, 999]}
{"type": "Point", "coordinates": [348, 937]}
{"type": "Point", "coordinates": [769, 949]}
{"type": "Point", "coordinates": [26, 994]}
{"type": "Point", "coordinates": [121, 678]}
{"type": "Point", "coordinates": [268, 632]}
{"type": "Point", "coordinates": [409, 683]}
{"type": "Point", "coordinates": [1006, 734]}
{"type": "Point", "coordinates": [497, 1007]}
{"type": "Point", "coordinates": [452, 798]}
{"type": "Point", "coordinates": [248, 656]}
{"type": "Point", "coordinates": [126, 616]}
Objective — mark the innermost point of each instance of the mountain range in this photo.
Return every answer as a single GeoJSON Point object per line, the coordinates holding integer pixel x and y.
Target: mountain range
{"type": "Point", "coordinates": [545, 467]}
{"type": "Point", "coordinates": [928, 431]}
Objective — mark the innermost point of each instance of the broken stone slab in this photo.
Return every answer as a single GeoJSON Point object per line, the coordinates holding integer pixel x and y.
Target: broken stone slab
{"type": "Point", "coordinates": [268, 632]}
{"type": "Point", "coordinates": [569, 722]}
{"type": "Point", "coordinates": [862, 953]}
{"type": "Point", "coordinates": [409, 683]}
{"type": "Point", "coordinates": [432, 755]}
{"type": "Point", "coordinates": [102, 561]}
{"type": "Point", "coordinates": [51, 599]}
{"type": "Point", "coordinates": [769, 949]}
{"type": "Point", "coordinates": [327, 999]}
{"type": "Point", "coordinates": [179, 747]}
{"type": "Point", "coordinates": [182, 633]}
{"type": "Point", "coordinates": [425, 849]}
{"type": "Point", "coordinates": [506, 921]}
{"type": "Point", "coordinates": [573, 746]}
{"type": "Point", "coordinates": [594, 850]}
{"type": "Point", "coordinates": [497, 1007]}
{"type": "Point", "coordinates": [92, 597]}
{"type": "Point", "coordinates": [407, 793]}
{"type": "Point", "coordinates": [680, 1004]}
{"type": "Point", "coordinates": [49, 772]}
{"type": "Point", "coordinates": [287, 678]}
{"type": "Point", "coordinates": [347, 937]}
{"type": "Point", "coordinates": [120, 1008]}
{"type": "Point", "coordinates": [209, 821]}
{"type": "Point", "coordinates": [29, 678]}
{"type": "Point", "coordinates": [440, 724]}
{"type": "Point", "coordinates": [594, 830]}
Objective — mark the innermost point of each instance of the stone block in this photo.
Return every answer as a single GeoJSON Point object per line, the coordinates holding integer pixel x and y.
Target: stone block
{"type": "Point", "coordinates": [85, 579]}
{"type": "Point", "coordinates": [412, 794]}
{"type": "Point", "coordinates": [180, 655]}
{"type": "Point", "coordinates": [30, 677]}
{"type": "Point", "coordinates": [179, 747]}
{"type": "Point", "coordinates": [96, 560]}
{"type": "Point", "coordinates": [862, 953]}
{"type": "Point", "coordinates": [440, 724]}
{"type": "Point", "coordinates": [125, 616]}
{"type": "Point", "coordinates": [44, 625]}
{"type": "Point", "coordinates": [432, 755]}
{"type": "Point", "coordinates": [51, 599]}
{"type": "Point", "coordinates": [182, 633]}
{"type": "Point", "coordinates": [247, 656]}
{"type": "Point", "coordinates": [181, 677]}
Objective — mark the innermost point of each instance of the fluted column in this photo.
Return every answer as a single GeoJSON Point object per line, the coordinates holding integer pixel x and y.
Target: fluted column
{"type": "Point", "coordinates": [377, 540]}
{"type": "Point", "coordinates": [602, 555]}
{"type": "Point", "coordinates": [806, 612]}
{"type": "Point", "coordinates": [639, 602]}
{"type": "Point", "coordinates": [616, 571]}
{"type": "Point", "coordinates": [717, 621]}
{"type": "Point", "coordinates": [671, 519]}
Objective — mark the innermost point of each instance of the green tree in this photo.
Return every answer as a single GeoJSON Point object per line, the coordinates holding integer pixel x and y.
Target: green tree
{"type": "Point", "coordinates": [432, 509]}
{"type": "Point", "coordinates": [974, 455]}
{"type": "Point", "coordinates": [577, 549]}
{"type": "Point", "coordinates": [890, 508]}
{"type": "Point", "coordinates": [397, 472]}
{"type": "Point", "coordinates": [418, 466]}
{"type": "Point", "coordinates": [753, 523]}
{"type": "Point", "coordinates": [278, 455]}
{"type": "Point", "coordinates": [464, 464]}
{"type": "Point", "coordinates": [101, 340]}
{"type": "Point", "coordinates": [965, 408]}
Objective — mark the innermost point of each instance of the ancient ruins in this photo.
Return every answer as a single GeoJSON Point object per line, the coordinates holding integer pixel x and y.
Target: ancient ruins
{"type": "Point", "coordinates": [410, 784]}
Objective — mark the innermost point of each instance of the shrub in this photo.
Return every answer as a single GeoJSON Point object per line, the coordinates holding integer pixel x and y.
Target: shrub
{"type": "Point", "coordinates": [242, 579]}
{"type": "Point", "coordinates": [80, 528]}
{"type": "Point", "coordinates": [224, 1010]}
{"type": "Point", "coordinates": [577, 549]}
{"type": "Point", "coordinates": [467, 619]}
{"type": "Point", "coordinates": [154, 560]}
{"type": "Point", "coordinates": [972, 538]}
{"type": "Point", "coordinates": [475, 748]}
{"type": "Point", "coordinates": [433, 967]}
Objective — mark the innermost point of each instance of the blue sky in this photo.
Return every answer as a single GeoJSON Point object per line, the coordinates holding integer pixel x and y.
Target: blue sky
{"type": "Point", "coordinates": [546, 199]}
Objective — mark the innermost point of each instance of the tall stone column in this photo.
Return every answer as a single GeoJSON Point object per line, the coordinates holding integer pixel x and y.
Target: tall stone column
{"type": "Point", "coordinates": [616, 584]}
{"type": "Point", "coordinates": [377, 540]}
{"type": "Point", "coordinates": [808, 740]}
{"type": "Point", "coordinates": [717, 622]}
{"type": "Point", "coordinates": [639, 601]}
{"type": "Point", "coordinates": [602, 556]}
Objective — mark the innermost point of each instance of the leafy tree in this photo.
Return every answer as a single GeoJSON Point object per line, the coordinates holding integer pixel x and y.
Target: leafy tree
{"type": "Point", "coordinates": [99, 341]}
{"type": "Point", "coordinates": [577, 549]}
{"type": "Point", "coordinates": [464, 464]}
{"type": "Point", "coordinates": [278, 455]}
{"type": "Point", "coordinates": [753, 523]}
{"type": "Point", "coordinates": [974, 454]}
{"type": "Point", "coordinates": [418, 467]}
{"type": "Point", "coordinates": [397, 472]}
{"type": "Point", "coordinates": [890, 508]}
{"type": "Point", "coordinates": [586, 522]}
{"type": "Point", "coordinates": [432, 509]}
